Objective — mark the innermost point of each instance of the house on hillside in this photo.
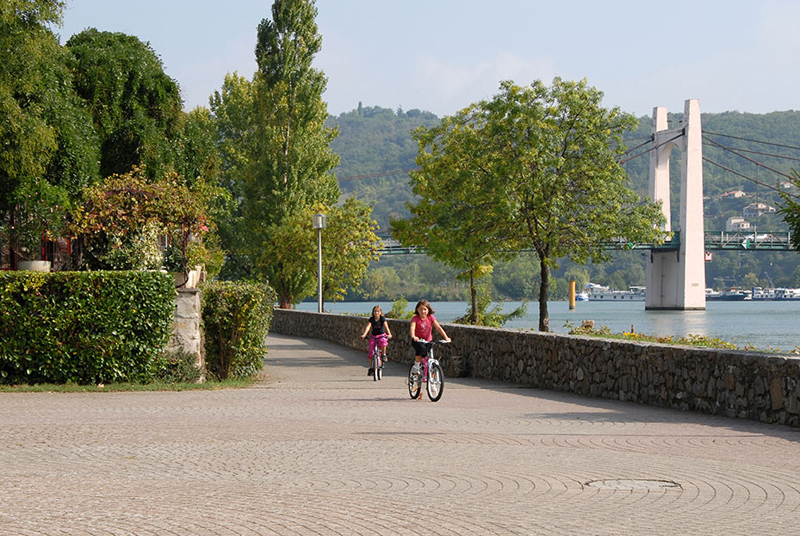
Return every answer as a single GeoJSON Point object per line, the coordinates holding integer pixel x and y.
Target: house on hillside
{"type": "Point", "coordinates": [735, 194]}
{"type": "Point", "coordinates": [755, 210]}
{"type": "Point", "coordinates": [737, 224]}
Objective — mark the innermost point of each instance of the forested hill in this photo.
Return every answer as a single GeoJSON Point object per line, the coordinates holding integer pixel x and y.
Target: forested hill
{"type": "Point", "coordinates": [377, 150]}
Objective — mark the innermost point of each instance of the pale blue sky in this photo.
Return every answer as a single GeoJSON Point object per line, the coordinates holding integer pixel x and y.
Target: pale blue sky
{"type": "Point", "coordinates": [442, 55]}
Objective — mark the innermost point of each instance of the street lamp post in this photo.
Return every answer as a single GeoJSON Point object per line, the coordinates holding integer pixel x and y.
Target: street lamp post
{"type": "Point", "coordinates": [320, 223]}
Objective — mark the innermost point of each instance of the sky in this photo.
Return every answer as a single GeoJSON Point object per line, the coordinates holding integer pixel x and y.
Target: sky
{"type": "Point", "coordinates": [443, 55]}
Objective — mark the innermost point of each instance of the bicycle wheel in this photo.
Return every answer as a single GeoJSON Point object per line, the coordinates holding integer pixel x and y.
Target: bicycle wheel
{"type": "Point", "coordinates": [375, 368]}
{"type": "Point", "coordinates": [435, 382]}
{"type": "Point", "coordinates": [414, 383]}
{"type": "Point", "coordinates": [380, 370]}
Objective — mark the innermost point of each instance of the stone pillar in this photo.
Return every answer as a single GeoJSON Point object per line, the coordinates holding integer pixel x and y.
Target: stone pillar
{"type": "Point", "coordinates": [186, 334]}
{"type": "Point", "coordinates": [676, 279]}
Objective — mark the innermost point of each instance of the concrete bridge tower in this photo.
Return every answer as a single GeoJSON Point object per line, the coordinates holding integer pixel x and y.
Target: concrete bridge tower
{"type": "Point", "coordinates": [676, 278]}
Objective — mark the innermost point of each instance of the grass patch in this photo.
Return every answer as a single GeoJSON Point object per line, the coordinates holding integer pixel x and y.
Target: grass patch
{"type": "Point", "coordinates": [238, 383]}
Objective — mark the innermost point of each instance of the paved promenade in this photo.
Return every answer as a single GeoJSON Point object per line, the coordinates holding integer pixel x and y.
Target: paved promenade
{"type": "Point", "coordinates": [318, 448]}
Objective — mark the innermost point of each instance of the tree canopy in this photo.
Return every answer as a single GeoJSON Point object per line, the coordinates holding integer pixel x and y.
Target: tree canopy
{"type": "Point", "coordinates": [535, 168]}
{"type": "Point", "coordinates": [136, 107]}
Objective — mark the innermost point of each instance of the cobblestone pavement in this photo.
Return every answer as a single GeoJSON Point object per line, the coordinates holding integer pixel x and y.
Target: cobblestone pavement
{"type": "Point", "coordinates": [319, 448]}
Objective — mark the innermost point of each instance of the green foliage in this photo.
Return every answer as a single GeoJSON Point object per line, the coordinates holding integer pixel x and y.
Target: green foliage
{"type": "Point", "coordinates": [791, 211]}
{"type": "Point", "coordinates": [535, 168]}
{"type": "Point", "coordinates": [135, 106]}
{"type": "Point", "coordinates": [292, 158]}
{"type": "Point", "coordinates": [290, 260]}
{"type": "Point", "coordinates": [690, 340]}
{"type": "Point", "coordinates": [176, 367]}
{"type": "Point", "coordinates": [46, 138]}
{"type": "Point", "coordinates": [236, 318]}
{"type": "Point", "coordinates": [39, 213]}
{"type": "Point", "coordinates": [86, 328]}
{"type": "Point", "coordinates": [122, 218]}
{"type": "Point", "coordinates": [400, 310]}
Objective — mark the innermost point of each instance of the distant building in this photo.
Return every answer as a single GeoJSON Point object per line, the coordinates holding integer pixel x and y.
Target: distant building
{"type": "Point", "coordinates": [754, 210]}
{"type": "Point", "coordinates": [735, 194]}
{"type": "Point", "coordinates": [737, 224]}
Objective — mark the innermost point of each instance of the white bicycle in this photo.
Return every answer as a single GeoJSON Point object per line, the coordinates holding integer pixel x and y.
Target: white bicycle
{"type": "Point", "coordinates": [430, 373]}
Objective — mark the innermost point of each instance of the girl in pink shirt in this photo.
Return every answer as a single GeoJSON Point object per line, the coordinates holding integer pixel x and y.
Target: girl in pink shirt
{"type": "Point", "coordinates": [422, 328]}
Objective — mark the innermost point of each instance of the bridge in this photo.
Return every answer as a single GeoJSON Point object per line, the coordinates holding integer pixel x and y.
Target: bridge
{"type": "Point", "coordinates": [713, 240]}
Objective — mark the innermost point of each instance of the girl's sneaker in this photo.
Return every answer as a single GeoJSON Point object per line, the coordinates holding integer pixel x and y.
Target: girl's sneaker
{"type": "Point", "coordinates": [371, 371]}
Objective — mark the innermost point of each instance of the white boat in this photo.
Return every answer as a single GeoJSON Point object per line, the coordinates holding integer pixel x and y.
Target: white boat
{"type": "Point", "coordinates": [601, 293]}
{"type": "Point", "coordinates": [733, 294]}
{"type": "Point", "coordinates": [582, 296]}
{"type": "Point", "coordinates": [787, 294]}
{"type": "Point", "coordinates": [760, 293]}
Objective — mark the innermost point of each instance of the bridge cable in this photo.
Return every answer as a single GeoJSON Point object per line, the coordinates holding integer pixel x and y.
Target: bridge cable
{"type": "Point", "coordinates": [769, 186]}
{"type": "Point", "coordinates": [749, 159]}
{"type": "Point", "coordinates": [752, 140]}
{"type": "Point", "coordinates": [652, 148]}
{"type": "Point", "coordinates": [767, 154]}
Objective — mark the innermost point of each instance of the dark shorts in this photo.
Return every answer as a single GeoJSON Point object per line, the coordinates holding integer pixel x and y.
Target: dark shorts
{"type": "Point", "coordinates": [420, 348]}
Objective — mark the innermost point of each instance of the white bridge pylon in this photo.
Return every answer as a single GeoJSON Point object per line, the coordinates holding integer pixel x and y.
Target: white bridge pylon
{"type": "Point", "coordinates": [676, 279]}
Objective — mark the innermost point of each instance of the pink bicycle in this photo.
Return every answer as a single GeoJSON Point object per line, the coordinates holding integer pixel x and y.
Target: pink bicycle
{"type": "Point", "coordinates": [375, 362]}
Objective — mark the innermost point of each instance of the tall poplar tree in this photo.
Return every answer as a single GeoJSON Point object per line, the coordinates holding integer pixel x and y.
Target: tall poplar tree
{"type": "Point", "coordinates": [293, 156]}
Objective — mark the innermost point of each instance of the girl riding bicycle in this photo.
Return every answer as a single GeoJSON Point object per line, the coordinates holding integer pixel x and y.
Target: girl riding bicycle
{"type": "Point", "coordinates": [422, 325]}
{"type": "Point", "coordinates": [380, 334]}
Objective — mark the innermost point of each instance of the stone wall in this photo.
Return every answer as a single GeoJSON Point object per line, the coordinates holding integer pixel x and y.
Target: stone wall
{"type": "Point", "coordinates": [747, 385]}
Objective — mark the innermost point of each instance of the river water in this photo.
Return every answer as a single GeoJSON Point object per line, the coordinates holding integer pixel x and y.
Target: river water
{"type": "Point", "coordinates": [761, 324]}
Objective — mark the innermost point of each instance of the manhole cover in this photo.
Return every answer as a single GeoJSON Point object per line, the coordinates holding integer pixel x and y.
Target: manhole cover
{"type": "Point", "coordinates": [634, 485]}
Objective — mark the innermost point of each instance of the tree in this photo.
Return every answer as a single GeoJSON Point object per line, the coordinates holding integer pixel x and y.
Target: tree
{"type": "Point", "coordinates": [233, 110]}
{"type": "Point", "coordinates": [276, 154]}
{"type": "Point", "coordinates": [136, 107]}
{"type": "Point", "coordinates": [540, 168]}
{"type": "Point", "coordinates": [293, 157]}
{"type": "Point", "coordinates": [48, 146]}
{"type": "Point", "coordinates": [790, 210]}
{"type": "Point", "coordinates": [349, 244]}
{"type": "Point", "coordinates": [454, 225]}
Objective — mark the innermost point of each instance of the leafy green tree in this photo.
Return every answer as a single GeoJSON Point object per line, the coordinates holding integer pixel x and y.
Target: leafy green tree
{"type": "Point", "coordinates": [136, 107]}
{"type": "Point", "coordinates": [276, 154]}
{"type": "Point", "coordinates": [349, 243]}
{"type": "Point", "coordinates": [199, 156]}
{"type": "Point", "coordinates": [48, 147]}
{"type": "Point", "coordinates": [233, 110]}
{"type": "Point", "coordinates": [790, 210]}
{"type": "Point", "coordinates": [454, 225]}
{"type": "Point", "coordinates": [540, 165]}
{"type": "Point", "coordinates": [293, 156]}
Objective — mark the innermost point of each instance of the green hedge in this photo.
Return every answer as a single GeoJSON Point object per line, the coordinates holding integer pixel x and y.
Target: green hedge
{"type": "Point", "coordinates": [84, 327]}
{"type": "Point", "coordinates": [236, 318]}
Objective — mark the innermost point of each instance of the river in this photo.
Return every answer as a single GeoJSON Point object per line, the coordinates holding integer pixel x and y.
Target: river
{"type": "Point", "coordinates": [761, 324]}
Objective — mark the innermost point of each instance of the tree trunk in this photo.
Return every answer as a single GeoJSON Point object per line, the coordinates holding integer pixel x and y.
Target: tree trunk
{"type": "Point", "coordinates": [544, 317]}
{"type": "Point", "coordinates": [473, 317]}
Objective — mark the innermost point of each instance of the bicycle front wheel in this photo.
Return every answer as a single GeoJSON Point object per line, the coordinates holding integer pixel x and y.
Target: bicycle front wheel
{"type": "Point", "coordinates": [375, 367]}
{"type": "Point", "coordinates": [414, 383]}
{"type": "Point", "coordinates": [435, 382]}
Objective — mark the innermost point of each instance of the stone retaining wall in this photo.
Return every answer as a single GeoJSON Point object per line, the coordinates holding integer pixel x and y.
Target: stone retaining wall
{"type": "Point", "coordinates": [747, 385]}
